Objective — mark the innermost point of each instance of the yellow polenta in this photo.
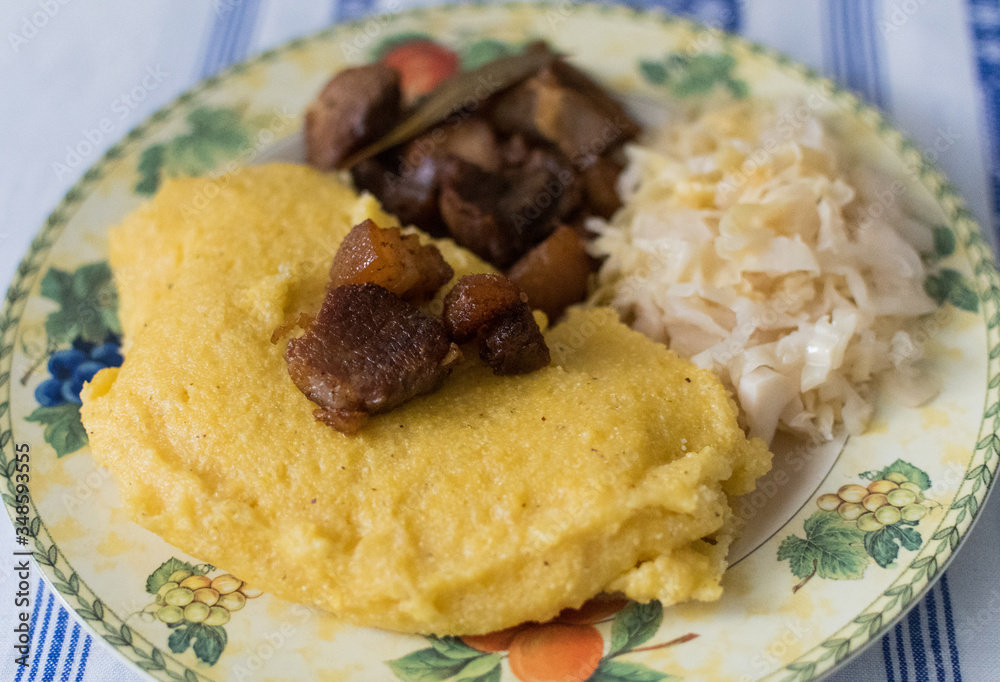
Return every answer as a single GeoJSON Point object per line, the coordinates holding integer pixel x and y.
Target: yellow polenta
{"type": "Point", "coordinates": [492, 501]}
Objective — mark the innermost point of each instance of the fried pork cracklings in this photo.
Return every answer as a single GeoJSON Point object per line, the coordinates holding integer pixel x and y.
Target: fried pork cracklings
{"type": "Point", "coordinates": [491, 501]}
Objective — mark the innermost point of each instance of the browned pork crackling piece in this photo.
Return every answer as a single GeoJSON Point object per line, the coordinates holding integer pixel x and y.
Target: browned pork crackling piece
{"type": "Point", "coordinates": [513, 343]}
{"type": "Point", "coordinates": [476, 300]}
{"type": "Point", "coordinates": [366, 352]}
{"type": "Point", "coordinates": [394, 261]}
{"type": "Point", "coordinates": [356, 106]}
{"type": "Point", "coordinates": [491, 309]}
{"type": "Point", "coordinates": [554, 274]}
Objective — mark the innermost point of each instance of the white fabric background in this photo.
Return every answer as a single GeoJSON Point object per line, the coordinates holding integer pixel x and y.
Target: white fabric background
{"type": "Point", "coordinates": [69, 75]}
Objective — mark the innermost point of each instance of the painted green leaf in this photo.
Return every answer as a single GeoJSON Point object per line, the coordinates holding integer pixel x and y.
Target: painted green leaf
{"type": "Point", "coordinates": [482, 51]}
{"type": "Point", "coordinates": [453, 647]}
{"type": "Point", "coordinates": [57, 285]}
{"type": "Point", "coordinates": [483, 668]}
{"type": "Point", "coordinates": [180, 638]}
{"type": "Point", "coordinates": [88, 304]}
{"type": "Point", "coordinates": [62, 427]}
{"type": "Point", "coordinates": [207, 641]}
{"type": "Point", "coordinates": [944, 241]}
{"type": "Point", "coordinates": [833, 549]}
{"type": "Point", "coordinates": [215, 135]}
{"type": "Point", "coordinates": [653, 72]}
{"type": "Point", "coordinates": [695, 74]}
{"type": "Point", "coordinates": [951, 286]}
{"type": "Point", "coordinates": [622, 671]}
{"type": "Point", "coordinates": [159, 577]}
{"type": "Point", "coordinates": [883, 544]}
{"type": "Point", "coordinates": [426, 665]}
{"type": "Point", "coordinates": [912, 473]}
{"type": "Point", "coordinates": [635, 624]}
{"type": "Point", "coordinates": [149, 167]}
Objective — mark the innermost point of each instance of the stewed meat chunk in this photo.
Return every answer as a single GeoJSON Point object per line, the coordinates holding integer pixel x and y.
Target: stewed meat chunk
{"type": "Point", "coordinates": [366, 352]}
{"type": "Point", "coordinates": [356, 106]}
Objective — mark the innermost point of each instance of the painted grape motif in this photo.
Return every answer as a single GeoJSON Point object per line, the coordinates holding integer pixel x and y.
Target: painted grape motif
{"type": "Point", "coordinates": [71, 368]}
{"type": "Point", "coordinates": [881, 503]}
{"type": "Point", "coordinates": [195, 606]}
{"type": "Point", "coordinates": [859, 524]}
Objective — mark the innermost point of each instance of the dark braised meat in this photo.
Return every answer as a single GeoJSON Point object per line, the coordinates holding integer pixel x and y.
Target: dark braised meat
{"type": "Point", "coordinates": [554, 274]}
{"type": "Point", "coordinates": [394, 261]}
{"type": "Point", "coordinates": [472, 140]}
{"type": "Point", "coordinates": [499, 216]}
{"type": "Point", "coordinates": [498, 175]}
{"type": "Point", "coordinates": [513, 343]}
{"type": "Point", "coordinates": [600, 180]}
{"type": "Point", "coordinates": [470, 208]}
{"type": "Point", "coordinates": [565, 107]}
{"type": "Point", "coordinates": [410, 194]}
{"type": "Point", "coordinates": [476, 300]}
{"type": "Point", "coordinates": [366, 352]}
{"type": "Point", "coordinates": [408, 179]}
{"type": "Point", "coordinates": [491, 309]}
{"type": "Point", "coordinates": [356, 106]}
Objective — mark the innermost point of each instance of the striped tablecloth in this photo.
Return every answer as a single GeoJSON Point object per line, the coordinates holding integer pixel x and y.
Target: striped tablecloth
{"type": "Point", "coordinates": [933, 65]}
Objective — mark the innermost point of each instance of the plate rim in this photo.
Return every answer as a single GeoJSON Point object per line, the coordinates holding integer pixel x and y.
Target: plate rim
{"type": "Point", "coordinates": [925, 568]}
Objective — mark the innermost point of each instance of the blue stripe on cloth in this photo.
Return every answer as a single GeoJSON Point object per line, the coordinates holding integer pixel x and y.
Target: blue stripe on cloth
{"type": "Point", "coordinates": [985, 23]}
{"type": "Point", "coordinates": [40, 645]}
{"type": "Point", "coordinates": [904, 670]}
{"type": "Point", "coordinates": [56, 645]}
{"type": "Point", "coordinates": [956, 668]}
{"type": "Point", "coordinates": [890, 673]}
{"type": "Point", "coordinates": [83, 658]}
{"type": "Point", "coordinates": [244, 32]}
{"type": "Point", "coordinates": [71, 654]}
{"type": "Point", "coordinates": [34, 620]}
{"type": "Point", "coordinates": [226, 19]}
{"type": "Point", "coordinates": [935, 632]}
{"type": "Point", "coordinates": [833, 52]}
{"type": "Point", "coordinates": [853, 50]}
{"type": "Point", "coordinates": [917, 645]}
{"type": "Point", "coordinates": [873, 41]}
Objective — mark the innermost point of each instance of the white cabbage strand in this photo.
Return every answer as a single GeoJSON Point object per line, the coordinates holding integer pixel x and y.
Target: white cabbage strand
{"type": "Point", "coordinates": [744, 245]}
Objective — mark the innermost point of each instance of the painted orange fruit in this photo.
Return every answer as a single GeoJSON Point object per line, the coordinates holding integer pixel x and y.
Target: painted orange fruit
{"type": "Point", "coordinates": [556, 652]}
{"type": "Point", "coordinates": [422, 65]}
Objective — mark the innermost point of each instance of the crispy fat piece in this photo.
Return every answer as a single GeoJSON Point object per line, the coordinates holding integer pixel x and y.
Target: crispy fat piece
{"type": "Point", "coordinates": [491, 309]}
{"type": "Point", "coordinates": [396, 262]}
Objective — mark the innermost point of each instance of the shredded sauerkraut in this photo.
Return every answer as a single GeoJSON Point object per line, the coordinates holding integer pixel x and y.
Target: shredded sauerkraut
{"type": "Point", "coordinates": [745, 245]}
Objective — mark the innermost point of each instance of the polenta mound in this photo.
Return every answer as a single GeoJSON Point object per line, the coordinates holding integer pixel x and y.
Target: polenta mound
{"type": "Point", "coordinates": [492, 501]}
